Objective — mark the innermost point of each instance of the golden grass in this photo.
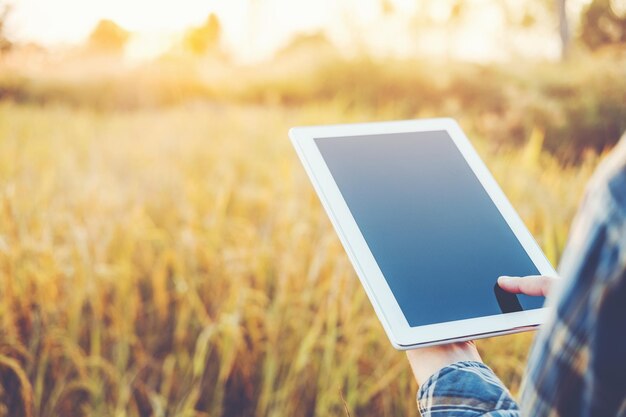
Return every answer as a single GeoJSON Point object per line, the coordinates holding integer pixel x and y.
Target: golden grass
{"type": "Point", "coordinates": [176, 262]}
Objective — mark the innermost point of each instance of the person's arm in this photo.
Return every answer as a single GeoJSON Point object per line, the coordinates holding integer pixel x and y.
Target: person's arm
{"type": "Point", "coordinates": [577, 365]}
{"type": "Point", "coordinates": [465, 389]}
{"type": "Point", "coordinates": [454, 381]}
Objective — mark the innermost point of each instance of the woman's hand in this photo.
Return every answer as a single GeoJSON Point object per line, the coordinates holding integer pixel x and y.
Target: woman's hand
{"type": "Point", "coordinates": [426, 361]}
{"type": "Point", "coordinates": [531, 285]}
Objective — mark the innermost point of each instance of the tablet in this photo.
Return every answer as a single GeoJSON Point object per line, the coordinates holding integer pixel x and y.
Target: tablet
{"type": "Point", "coordinates": [426, 227]}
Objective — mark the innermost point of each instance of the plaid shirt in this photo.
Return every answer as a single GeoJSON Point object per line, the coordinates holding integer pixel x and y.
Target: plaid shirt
{"type": "Point", "coordinates": [577, 365]}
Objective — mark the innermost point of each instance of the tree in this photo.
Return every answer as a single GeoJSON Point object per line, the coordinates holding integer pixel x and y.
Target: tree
{"type": "Point", "coordinates": [538, 14]}
{"type": "Point", "coordinates": [205, 38]}
{"type": "Point", "coordinates": [5, 43]}
{"type": "Point", "coordinates": [108, 36]}
{"type": "Point", "coordinates": [601, 25]}
{"type": "Point", "coordinates": [564, 32]}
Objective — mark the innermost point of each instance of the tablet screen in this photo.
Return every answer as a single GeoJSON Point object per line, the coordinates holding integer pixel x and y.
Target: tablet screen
{"type": "Point", "coordinates": [437, 236]}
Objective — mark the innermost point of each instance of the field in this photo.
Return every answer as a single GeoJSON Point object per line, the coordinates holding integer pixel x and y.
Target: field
{"type": "Point", "coordinates": [173, 260]}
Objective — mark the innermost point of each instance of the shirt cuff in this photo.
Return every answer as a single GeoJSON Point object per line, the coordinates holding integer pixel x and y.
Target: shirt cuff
{"type": "Point", "coordinates": [464, 388]}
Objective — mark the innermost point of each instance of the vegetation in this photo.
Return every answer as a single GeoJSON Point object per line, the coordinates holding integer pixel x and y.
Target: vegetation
{"type": "Point", "coordinates": [5, 43]}
{"type": "Point", "coordinates": [205, 38]}
{"type": "Point", "coordinates": [176, 262]}
{"type": "Point", "coordinates": [602, 26]}
{"type": "Point", "coordinates": [578, 105]}
{"type": "Point", "coordinates": [108, 36]}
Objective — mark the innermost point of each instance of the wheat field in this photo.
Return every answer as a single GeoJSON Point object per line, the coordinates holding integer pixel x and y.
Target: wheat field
{"type": "Point", "coordinates": [175, 261]}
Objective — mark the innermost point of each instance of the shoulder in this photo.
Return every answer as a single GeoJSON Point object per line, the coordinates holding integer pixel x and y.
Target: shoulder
{"type": "Point", "coordinates": [608, 184]}
{"type": "Point", "coordinates": [600, 224]}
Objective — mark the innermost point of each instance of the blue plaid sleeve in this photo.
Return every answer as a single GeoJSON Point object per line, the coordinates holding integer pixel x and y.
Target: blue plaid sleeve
{"type": "Point", "coordinates": [465, 389]}
{"type": "Point", "coordinates": [577, 365]}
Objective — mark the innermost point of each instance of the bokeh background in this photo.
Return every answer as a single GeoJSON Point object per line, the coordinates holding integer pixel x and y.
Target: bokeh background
{"type": "Point", "coordinates": [162, 252]}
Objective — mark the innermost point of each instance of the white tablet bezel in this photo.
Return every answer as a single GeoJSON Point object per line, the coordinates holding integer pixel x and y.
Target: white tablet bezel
{"type": "Point", "coordinates": [401, 335]}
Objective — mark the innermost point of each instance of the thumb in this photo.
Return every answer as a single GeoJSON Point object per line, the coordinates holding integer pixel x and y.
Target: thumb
{"type": "Point", "coordinates": [537, 285]}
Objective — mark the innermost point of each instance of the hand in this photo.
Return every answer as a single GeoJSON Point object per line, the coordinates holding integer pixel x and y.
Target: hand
{"type": "Point", "coordinates": [538, 285]}
{"type": "Point", "coordinates": [426, 361]}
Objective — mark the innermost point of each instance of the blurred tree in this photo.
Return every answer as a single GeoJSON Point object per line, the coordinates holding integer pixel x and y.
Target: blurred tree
{"type": "Point", "coordinates": [386, 7]}
{"type": "Point", "coordinates": [602, 24]}
{"type": "Point", "coordinates": [458, 9]}
{"type": "Point", "coordinates": [532, 14]}
{"type": "Point", "coordinates": [205, 38]}
{"type": "Point", "coordinates": [564, 32]}
{"type": "Point", "coordinates": [5, 43]}
{"type": "Point", "coordinates": [108, 36]}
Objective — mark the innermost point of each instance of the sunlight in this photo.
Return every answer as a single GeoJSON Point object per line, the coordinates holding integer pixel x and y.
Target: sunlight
{"type": "Point", "coordinates": [253, 30]}
{"type": "Point", "coordinates": [250, 31]}
{"type": "Point", "coordinates": [146, 46]}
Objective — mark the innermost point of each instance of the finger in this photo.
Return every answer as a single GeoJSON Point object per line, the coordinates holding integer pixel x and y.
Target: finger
{"type": "Point", "coordinates": [537, 285]}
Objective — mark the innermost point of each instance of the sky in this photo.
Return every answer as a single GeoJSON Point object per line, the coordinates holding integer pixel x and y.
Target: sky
{"type": "Point", "coordinates": [70, 21]}
{"type": "Point", "coordinates": [254, 29]}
